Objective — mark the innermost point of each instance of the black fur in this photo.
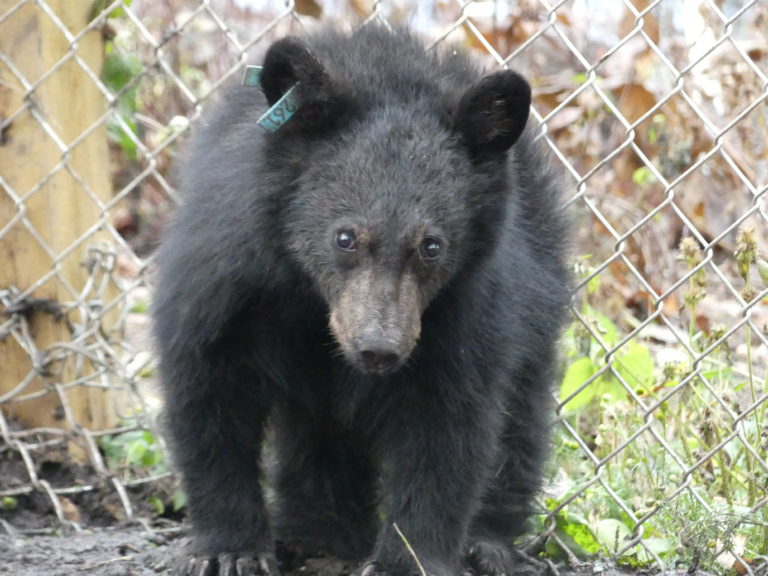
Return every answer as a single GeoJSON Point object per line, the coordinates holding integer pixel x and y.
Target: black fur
{"type": "Point", "coordinates": [424, 401]}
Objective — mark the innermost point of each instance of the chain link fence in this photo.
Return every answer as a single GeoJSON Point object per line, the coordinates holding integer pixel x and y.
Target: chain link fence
{"type": "Point", "coordinates": [658, 113]}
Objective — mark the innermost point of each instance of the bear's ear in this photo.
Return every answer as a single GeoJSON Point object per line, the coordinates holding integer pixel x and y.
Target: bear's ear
{"type": "Point", "coordinates": [320, 105]}
{"type": "Point", "coordinates": [287, 62]}
{"type": "Point", "coordinates": [492, 114]}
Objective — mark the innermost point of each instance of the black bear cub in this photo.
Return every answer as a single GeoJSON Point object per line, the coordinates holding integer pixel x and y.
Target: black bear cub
{"type": "Point", "coordinates": [375, 288]}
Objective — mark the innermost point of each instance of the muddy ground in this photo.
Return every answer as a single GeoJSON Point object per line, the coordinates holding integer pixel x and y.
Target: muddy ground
{"type": "Point", "coordinates": [126, 551]}
{"type": "Point", "coordinates": [97, 539]}
{"type": "Point", "coordinates": [133, 551]}
{"type": "Point", "coordinates": [136, 552]}
{"type": "Point", "coordinates": [106, 552]}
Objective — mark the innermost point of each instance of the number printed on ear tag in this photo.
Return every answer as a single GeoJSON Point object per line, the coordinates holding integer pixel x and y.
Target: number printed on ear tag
{"type": "Point", "coordinates": [282, 110]}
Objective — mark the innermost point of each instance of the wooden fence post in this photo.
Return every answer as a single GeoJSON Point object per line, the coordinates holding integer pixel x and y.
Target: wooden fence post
{"type": "Point", "coordinates": [54, 174]}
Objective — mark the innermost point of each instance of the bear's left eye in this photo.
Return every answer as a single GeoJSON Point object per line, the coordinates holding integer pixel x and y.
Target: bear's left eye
{"type": "Point", "coordinates": [346, 241]}
{"type": "Point", "coordinates": [429, 249]}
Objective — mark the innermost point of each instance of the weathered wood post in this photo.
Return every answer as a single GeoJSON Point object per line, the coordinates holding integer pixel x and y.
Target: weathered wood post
{"type": "Point", "coordinates": [54, 179]}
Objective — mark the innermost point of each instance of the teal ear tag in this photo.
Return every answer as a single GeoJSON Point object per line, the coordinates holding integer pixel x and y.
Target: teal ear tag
{"type": "Point", "coordinates": [282, 110]}
{"type": "Point", "coordinates": [252, 76]}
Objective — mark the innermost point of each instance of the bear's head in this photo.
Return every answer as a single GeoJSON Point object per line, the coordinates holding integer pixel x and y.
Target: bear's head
{"type": "Point", "coordinates": [396, 192]}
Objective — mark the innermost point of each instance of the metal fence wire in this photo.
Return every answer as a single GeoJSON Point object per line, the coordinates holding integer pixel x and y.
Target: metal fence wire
{"type": "Point", "coordinates": [658, 113]}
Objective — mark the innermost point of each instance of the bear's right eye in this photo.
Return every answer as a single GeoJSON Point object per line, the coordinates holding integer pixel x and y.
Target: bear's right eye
{"type": "Point", "coordinates": [429, 249]}
{"type": "Point", "coordinates": [346, 241]}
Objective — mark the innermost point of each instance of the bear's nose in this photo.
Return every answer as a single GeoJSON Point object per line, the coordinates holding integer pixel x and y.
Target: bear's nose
{"type": "Point", "coordinates": [379, 356]}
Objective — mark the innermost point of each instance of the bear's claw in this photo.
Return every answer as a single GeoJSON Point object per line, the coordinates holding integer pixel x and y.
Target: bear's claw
{"type": "Point", "coordinates": [228, 564]}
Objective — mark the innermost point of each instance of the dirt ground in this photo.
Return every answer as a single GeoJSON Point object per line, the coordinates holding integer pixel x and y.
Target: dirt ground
{"type": "Point", "coordinates": [140, 551]}
{"type": "Point", "coordinates": [33, 542]}
{"type": "Point", "coordinates": [136, 552]}
{"type": "Point", "coordinates": [107, 552]}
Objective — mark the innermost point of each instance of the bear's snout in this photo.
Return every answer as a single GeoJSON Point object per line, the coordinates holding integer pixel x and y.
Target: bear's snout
{"type": "Point", "coordinates": [378, 354]}
{"type": "Point", "coordinates": [377, 320]}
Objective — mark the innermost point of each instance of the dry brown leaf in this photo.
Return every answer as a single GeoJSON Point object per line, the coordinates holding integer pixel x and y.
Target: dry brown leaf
{"type": "Point", "coordinates": [362, 7]}
{"type": "Point", "coordinates": [309, 8]}
{"type": "Point", "coordinates": [70, 511]}
{"type": "Point", "coordinates": [650, 22]}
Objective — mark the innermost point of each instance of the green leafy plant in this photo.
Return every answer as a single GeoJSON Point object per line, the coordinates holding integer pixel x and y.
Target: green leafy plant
{"type": "Point", "coordinates": [8, 503]}
{"type": "Point", "coordinates": [138, 452]}
{"type": "Point", "coordinates": [618, 401]}
{"type": "Point", "coordinates": [120, 74]}
{"type": "Point", "coordinates": [134, 449]}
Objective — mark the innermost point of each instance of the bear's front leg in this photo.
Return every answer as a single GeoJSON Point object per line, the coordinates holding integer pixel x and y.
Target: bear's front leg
{"type": "Point", "coordinates": [216, 430]}
{"type": "Point", "coordinates": [437, 455]}
{"type": "Point", "coordinates": [217, 450]}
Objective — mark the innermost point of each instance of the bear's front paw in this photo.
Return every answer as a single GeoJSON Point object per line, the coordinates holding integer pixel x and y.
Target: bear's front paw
{"type": "Point", "coordinates": [228, 564]}
{"type": "Point", "coordinates": [486, 558]}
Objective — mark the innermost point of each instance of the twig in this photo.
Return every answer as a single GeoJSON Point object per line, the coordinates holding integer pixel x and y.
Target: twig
{"type": "Point", "coordinates": [408, 546]}
{"type": "Point", "coordinates": [106, 562]}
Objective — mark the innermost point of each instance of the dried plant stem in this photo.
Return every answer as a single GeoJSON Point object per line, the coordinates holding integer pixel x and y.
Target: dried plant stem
{"type": "Point", "coordinates": [410, 549]}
